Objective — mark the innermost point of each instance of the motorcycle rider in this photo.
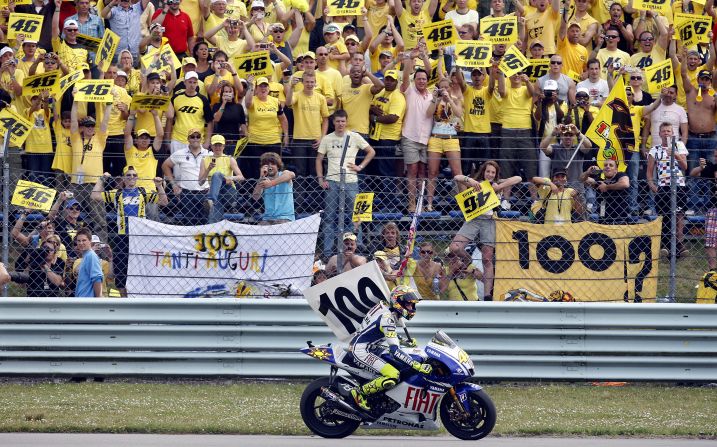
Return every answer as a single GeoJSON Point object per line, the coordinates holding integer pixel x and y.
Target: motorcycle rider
{"type": "Point", "coordinates": [379, 328]}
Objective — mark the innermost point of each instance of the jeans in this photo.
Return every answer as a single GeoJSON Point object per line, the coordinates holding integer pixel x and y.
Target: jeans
{"type": "Point", "coordinates": [632, 159]}
{"type": "Point", "coordinates": [221, 194]}
{"type": "Point", "coordinates": [384, 165]}
{"type": "Point", "coordinates": [331, 212]}
{"type": "Point", "coordinates": [191, 208]}
{"type": "Point", "coordinates": [699, 190]}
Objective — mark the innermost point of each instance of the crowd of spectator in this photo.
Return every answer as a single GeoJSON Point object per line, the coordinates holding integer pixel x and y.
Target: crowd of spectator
{"type": "Point", "coordinates": [361, 90]}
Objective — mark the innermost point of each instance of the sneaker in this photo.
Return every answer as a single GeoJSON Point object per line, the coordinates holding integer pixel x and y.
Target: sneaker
{"type": "Point", "coordinates": [505, 205]}
{"type": "Point", "coordinates": [360, 399]}
{"type": "Point", "coordinates": [690, 213]}
{"type": "Point", "coordinates": [208, 205]}
{"type": "Point", "coordinates": [665, 253]}
{"type": "Point", "coordinates": [681, 252]}
{"type": "Point", "coordinates": [648, 212]}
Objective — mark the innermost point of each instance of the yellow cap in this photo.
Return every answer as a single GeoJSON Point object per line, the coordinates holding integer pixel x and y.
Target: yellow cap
{"type": "Point", "coordinates": [218, 139]}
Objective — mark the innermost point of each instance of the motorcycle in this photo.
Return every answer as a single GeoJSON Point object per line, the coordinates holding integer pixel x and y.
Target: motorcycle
{"type": "Point", "coordinates": [465, 409]}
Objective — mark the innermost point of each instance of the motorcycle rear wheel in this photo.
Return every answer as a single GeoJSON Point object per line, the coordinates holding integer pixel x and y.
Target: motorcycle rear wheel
{"type": "Point", "coordinates": [480, 422]}
{"type": "Point", "coordinates": [314, 412]}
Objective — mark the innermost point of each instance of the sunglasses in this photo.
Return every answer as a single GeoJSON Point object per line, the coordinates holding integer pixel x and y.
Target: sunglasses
{"type": "Point", "coordinates": [610, 37]}
{"type": "Point", "coordinates": [71, 30]}
{"type": "Point", "coordinates": [195, 136]}
{"type": "Point", "coordinates": [426, 252]}
{"type": "Point", "coordinates": [351, 43]}
{"type": "Point", "coordinates": [636, 78]}
{"type": "Point", "coordinates": [74, 208]}
{"type": "Point", "coordinates": [131, 175]}
{"type": "Point", "coordinates": [647, 39]}
{"type": "Point", "coordinates": [462, 32]}
{"type": "Point", "coordinates": [556, 62]}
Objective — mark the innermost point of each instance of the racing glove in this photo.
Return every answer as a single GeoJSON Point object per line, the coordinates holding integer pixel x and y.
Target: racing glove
{"type": "Point", "coordinates": [423, 368]}
{"type": "Point", "coordinates": [409, 342]}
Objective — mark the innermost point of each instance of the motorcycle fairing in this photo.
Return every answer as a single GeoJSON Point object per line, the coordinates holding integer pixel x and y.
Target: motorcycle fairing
{"type": "Point", "coordinates": [462, 390]}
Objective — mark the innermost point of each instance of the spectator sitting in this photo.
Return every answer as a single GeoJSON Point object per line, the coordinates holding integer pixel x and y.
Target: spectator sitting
{"type": "Point", "coordinates": [45, 230]}
{"type": "Point", "coordinates": [557, 202]}
{"type": "Point", "coordinates": [222, 172]}
{"type": "Point", "coordinates": [71, 220]}
{"type": "Point", "coordinates": [276, 186]}
{"type": "Point", "coordinates": [351, 259]}
{"type": "Point", "coordinates": [424, 271]}
{"type": "Point", "coordinates": [45, 272]}
{"type": "Point", "coordinates": [613, 187]}
{"type": "Point", "coordinates": [89, 271]}
{"type": "Point", "coordinates": [389, 275]}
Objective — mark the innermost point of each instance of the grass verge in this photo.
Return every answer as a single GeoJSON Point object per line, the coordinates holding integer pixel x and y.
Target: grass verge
{"type": "Point", "coordinates": [272, 408]}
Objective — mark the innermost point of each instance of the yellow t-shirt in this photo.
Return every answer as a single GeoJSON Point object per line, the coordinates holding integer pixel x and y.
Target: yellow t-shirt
{"type": "Point", "coordinates": [575, 57]}
{"type": "Point", "coordinates": [337, 85]}
{"type": "Point", "coordinates": [145, 164]}
{"type": "Point", "coordinates": [25, 65]}
{"type": "Point", "coordinates": [227, 77]}
{"type": "Point", "coordinates": [264, 127]}
{"type": "Point", "coordinates": [375, 64]}
{"type": "Point", "coordinates": [63, 151]}
{"type": "Point", "coordinates": [231, 47]}
{"type": "Point", "coordinates": [376, 14]}
{"type": "Point", "coordinates": [643, 60]}
{"type": "Point", "coordinates": [191, 7]}
{"type": "Point", "coordinates": [476, 113]}
{"type": "Point", "coordinates": [357, 101]}
{"type": "Point", "coordinates": [462, 289]}
{"type": "Point", "coordinates": [235, 9]}
{"type": "Point", "coordinates": [636, 118]}
{"type": "Point", "coordinates": [189, 113]}
{"type": "Point", "coordinates": [214, 20]}
{"type": "Point", "coordinates": [71, 57]}
{"type": "Point", "coordinates": [412, 27]}
{"type": "Point", "coordinates": [39, 139]}
{"type": "Point", "coordinates": [516, 108]}
{"type": "Point", "coordinates": [558, 206]}
{"type": "Point", "coordinates": [392, 103]}
{"type": "Point", "coordinates": [6, 84]}
{"type": "Point", "coordinates": [692, 74]}
{"type": "Point", "coordinates": [543, 26]}
{"type": "Point", "coordinates": [600, 9]}
{"type": "Point", "coordinates": [87, 157]}
{"type": "Point", "coordinates": [323, 84]}
{"type": "Point", "coordinates": [606, 58]}
{"type": "Point", "coordinates": [495, 112]}
{"type": "Point", "coordinates": [222, 166]}
{"type": "Point", "coordinates": [276, 90]}
{"type": "Point", "coordinates": [309, 112]}
{"type": "Point", "coordinates": [145, 120]}
{"type": "Point", "coordinates": [341, 47]}
{"type": "Point", "coordinates": [116, 123]}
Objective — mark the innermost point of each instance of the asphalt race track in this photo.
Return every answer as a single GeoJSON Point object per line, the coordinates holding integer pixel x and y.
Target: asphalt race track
{"type": "Point", "coordinates": [124, 440]}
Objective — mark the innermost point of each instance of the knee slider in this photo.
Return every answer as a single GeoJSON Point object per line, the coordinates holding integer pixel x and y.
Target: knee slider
{"type": "Point", "coordinates": [388, 382]}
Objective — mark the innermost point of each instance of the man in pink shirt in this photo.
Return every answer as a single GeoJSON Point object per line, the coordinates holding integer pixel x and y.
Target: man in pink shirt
{"type": "Point", "coordinates": [417, 124]}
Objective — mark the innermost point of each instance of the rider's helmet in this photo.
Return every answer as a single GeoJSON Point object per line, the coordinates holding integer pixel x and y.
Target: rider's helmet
{"type": "Point", "coordinates": [403, 301]}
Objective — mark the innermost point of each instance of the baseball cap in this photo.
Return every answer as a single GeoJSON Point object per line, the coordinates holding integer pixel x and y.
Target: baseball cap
{"type": "Point", "coordinates": [331, 28]}
{"type": "Point", "coordinates": [190, 75]}
{"type": "Point", "coordinates": [558, 171]}
{"type": "Point", "coordinates": [381, 255]}
{"type": "Point", "coordinates": [704, 74]}
{"type": "Point", "coordinates": [257, 4]}
{"type": "Point", "coordinates": [152, 76]}
{"type": "Point", "coordinates": [6, 50]}
{"type": "Point", "coordinates": [261, 80]}
{"type": "Point", "coordinates": [385, 53]}
{"type": "Point", "coordinates": [96, 239]}
{"type": "Point", "coordinates": [278, 25]}
{"type": "Point", "coordinates": [141, 132]}
{"type": "Point", "coordinates": [122, 73]}
{"type": "Point", "coordinates": [537, 42]}
{"type": "Point", "coordinates": [217, 1]}
{"type": "Point", "coordinates": [193, 130]}
{"type": "Point", "coordinates": [70, 203]}
{"type": "Point", "coordinates": [550, 85]}
{"type": "Point", "coordinates": [155, 25]}
{"type": "Point", "coordinates": [310, 54]}
{"type": "Point", "coordinates": [352, 37]}
{"type": "Point", "coordinates": [349, 235]}
{"type": "Point", "coordinates": [71, 22]}
{"type": "Point", "coordinates": [189, 60]}
{"type": "Point", "coordinates": [350, 26]}
{"type": "Point", "coordinates": [29, 41]}
{"type": "Point", "coordinates": [218, 139]}
{"type": "Point", "coordinates": [391, 74]}
{"type": "Point", "coordinates": [575, 24]}
{"type": "Point", "coordinates": [582, 90]}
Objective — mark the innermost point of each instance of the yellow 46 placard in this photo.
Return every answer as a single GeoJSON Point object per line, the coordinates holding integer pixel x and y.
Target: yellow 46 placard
{"type": "Point", "coordinates": [256, 63]}
{"type": "Point", "coordinates": [43, 82]}
{"type": "Point", "coordinates": [149, 102]}
{"type": "Point", "coordinates": [660, 6]}
{"type": "Point", "coordinates": [499, 29]}
{"type": "Point", "coordinates": [474, 203]}
{"type": "Point", "coordinates": [660, 76]}
{"type": "Point", "coordinates": [692, 28]}
{"type": "Point", "coordinates": [94, 90]}
{"type": "Point", "coordinates": [29, 25]}
{"type": "Point", "coordinates": [345, 7]}
{"type": "Point", "coordinates": [537, 68]}
{"type": "Point", "coordinates": [162, 62]}
{"type": "Point", "coordinates": [439, 34]}
{"type": "Point", "coordinates": [106, 50]}
{"type": "Point", "coordinates": [473, 53]}
{"type": "Point", "coordinates": [18, 126]}
{"type": "Point", "coordinates": [363, 207]}
{"type": "Point", "coordinates": [69, 80]}
{"type": "Point", "coordinates": [33, 196]}
{"type": "Point", "coordinates": [512, 62]}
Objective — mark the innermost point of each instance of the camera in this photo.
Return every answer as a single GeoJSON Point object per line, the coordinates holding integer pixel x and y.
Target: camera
{"type": "Point", "coordinates": [234, 22]}
{"type": "Point", "coordinates": [596, 174]}
{"type": "Point", "coordinates": [616, 65]}
{"type": "Point", "coordinates": [69, 195]}
{"type": "Point", "coordinates": [548, 93]}
{"type": "Point", "coordinates": [287, 72]}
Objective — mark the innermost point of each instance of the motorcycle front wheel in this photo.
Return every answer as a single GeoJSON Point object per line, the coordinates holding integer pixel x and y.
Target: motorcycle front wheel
{"type": "Point", "coordinates": [316, 413]}
{"type": "Point", "coordinates": [473, 426]}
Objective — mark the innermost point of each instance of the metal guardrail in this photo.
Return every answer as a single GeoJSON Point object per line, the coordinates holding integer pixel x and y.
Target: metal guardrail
{"type": "Point", "coordinates": [260, 338]}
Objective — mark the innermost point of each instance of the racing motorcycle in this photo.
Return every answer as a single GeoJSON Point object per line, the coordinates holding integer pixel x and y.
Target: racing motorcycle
{"type": "Point", "coordinates": [466, 410]}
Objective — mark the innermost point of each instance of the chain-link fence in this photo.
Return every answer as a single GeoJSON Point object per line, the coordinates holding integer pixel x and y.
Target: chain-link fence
{"type": "Point", "coordinates": [581, 235]}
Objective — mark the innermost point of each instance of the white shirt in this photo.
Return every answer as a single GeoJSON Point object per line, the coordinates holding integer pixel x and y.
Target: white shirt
{"type": "Point", "coordinates": [186, 169]}
{"type": "Point", "coordinates": [461, 19]}
{"type": "Point", "coordinates": [598, 91]}
{"type": "Point", "coordinates": [673, 114]}
{"type": "Point", "coordinates": [662, 164]}
{"type": "Point", "coordinates": [332, 146]}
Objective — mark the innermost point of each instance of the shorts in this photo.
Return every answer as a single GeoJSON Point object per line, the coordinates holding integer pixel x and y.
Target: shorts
{"type": "Point", "coordinates": [413, 152]}
{"type": "Point", "coordinates": [442, 145]}
{"type": "Point", "coordinates": [480, 226]}
{"type": "Point", "coordinates": [711, 228]}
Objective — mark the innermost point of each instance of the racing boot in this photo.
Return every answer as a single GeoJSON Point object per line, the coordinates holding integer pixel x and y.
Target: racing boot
{"type": "Point", "coordinates": [360, 399]}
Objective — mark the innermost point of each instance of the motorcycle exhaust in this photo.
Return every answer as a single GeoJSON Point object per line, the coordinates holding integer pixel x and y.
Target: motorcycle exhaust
{"type": "Point", "coordinates": [330, 395]}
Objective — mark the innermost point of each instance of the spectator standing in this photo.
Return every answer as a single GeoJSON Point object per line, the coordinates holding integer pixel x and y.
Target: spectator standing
{"type": "Point", "coordinates": [482, 227]}
{"type": "Point", "coordinates": [269, 130]}
{"type": "Point", "coordinates": [90, 276]}
{"type": "Point", "coordinates": [235, 40]}
{"type": "Point", "coordinates": [707, 171]}
{"type": "Point", "coordinates": [614, 18]}
{"type": "Point", "coordinates": [561, 152]}
{"type": "Point", "coordinates": [659, 158]}
{"type": "Point", "coordinates": [113, 155]}
{"type": "Point", "coordinates": [38, 145]}
{"type": "Point", "coordinates": [190, 110]}
{"type": "Point", "coordinates": [351, 259]}
{"type": "Point", "coordinates": [543, 23]}
{"type": "Point", "coordinates": [229, 118]}
{"type": "Point", "coordinates": [611, 55]}
{"type": "Point", "coordinates": [71, 53]}
{"type": "Point", "coordinates": [666, 112]}
{"type": "Point", "coordinates": [574, 54]}
{"type": "Point", "coordinates": [88, 23]}
{"type": "Point", "coordinates": [139, 153]}
{"type": "Point", "coordinates": [41, 8]}
{"type": "Point", "coordinates": [276, 187]}
{"type": "Point", "coordinates": [417, 125]}
{"type": "Point", "coordinates": [181, 170]}
{"type": "Point", "coordinates": [613, 194]}
{"type": "Point", "coordinates": [88, 146]}
{"type": "Point", "coordinates": [566, 86]}
{"type": "Point", "coordinates": [462, 14]}
{"type": "Point", "coordinates": [413, 19]}
{"type": "Point", "coordinates": [587, 25]}
{"type": "Point", "coordinates": [11, 79]}
{"type": "Point", "coordinates": [357, 97]}
{"type": "Point", "coordinates": [548, 114]}
{"type": "Point", "coordinates": [178, 28]}
{"type": "Point", "coordinates": [223, 173]}
{"type": "Point", "coordinates": [127, 200]}
{"type": "Point", "coordinates": [651, 52]}
{"type": "Point", "coordinates": [476, 112]}
{"type": "Point", "coordinates": [66, 227]}
{"type": "Point", "coordinates": [597, 88]}
{"type": "Point", "coordinates": [332, 147]}
{"type": "Point", "coordinates": [125, 20]}
{"type": "Point", "coordinates": [389, 41]}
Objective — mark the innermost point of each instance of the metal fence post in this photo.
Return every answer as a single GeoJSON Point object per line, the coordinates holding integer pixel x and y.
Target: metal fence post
{"type": "Point", "coordinates": [342, 208]}
{"type": "Point", "coordinates": [673, 223]}
{"type": "Point", "coordinates": [5, 205]}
